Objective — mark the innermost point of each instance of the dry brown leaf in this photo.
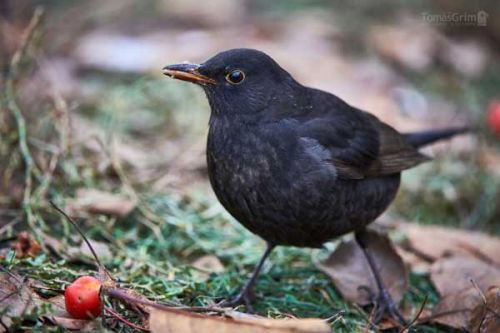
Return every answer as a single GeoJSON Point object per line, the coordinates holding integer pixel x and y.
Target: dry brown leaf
{"type": "Point", "coordinates": [100, 202]}
{"type": "Point", "coordinates": [489, 159]}
{"type": "Point", "coordinates": [58, 306]}
{"type": "Point", "coordinates": [485, 317]}
{"type": "Point", "coordinates": [451, 275]}
{"type": "Point", "coordinates": [420, 42]}
{"type": "Point", "coordinates": [101, 249]}
{"type": "Point", "coordinates": [60, 317]}
{"type": "Point", "coordinates": [53, 244]}
{"type": "Point", "coordinates": [174, 321]}
{"type": "Point", "coordinates": [455, 309]}
{"type": "Point", "coordinates": [433, 242]}
{"type": "Point", "coordinates": [78, 253]}
{"type": "Point", "coordinates": [25, 245]}
{"type": "Point", "coordinates": [16, 298]}
{"type": "Point", "coordinates": [460, 280]}
{"type": "Point", "coordinates": [414, 262]}
{"type": "Point", "coordinates": [349, 270]}
{"type": "Point", "coordinates": [207, 264]}
{"type": "Point", "coordinates": [414, 314]}
{"type": "Point", "coordinates": [72, 324]}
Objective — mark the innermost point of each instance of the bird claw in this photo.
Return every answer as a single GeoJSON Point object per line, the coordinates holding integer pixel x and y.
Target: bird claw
{"type": "Point", "coordinates": [384, 304]}
{"type": "Point", "coordinates": [243, 298]}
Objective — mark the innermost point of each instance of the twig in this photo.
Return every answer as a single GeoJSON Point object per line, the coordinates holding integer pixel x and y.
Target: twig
{"type": "Point", "coordinates": [12, 275]}
{"type": "Point", "coordinates": [479, 291]}
{"type": "Point", "coordinates": [124, 320]}
{"type": "Point", "coordinates": [485, 301]}
{"type": "Point", "coordinates": [419, 313]}
{"type": "Point", "coordinates": [122, 295]}
{"type": "Point", "coordinates": [100, 266]}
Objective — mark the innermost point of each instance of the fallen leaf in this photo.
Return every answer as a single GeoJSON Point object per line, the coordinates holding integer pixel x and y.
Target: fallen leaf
{"type": "Point", "coordinates": [457, 280]}
{"type": "Point", "coordinates": [53, 244]}
{"type": "Point", "coordinates": [60, 317]}
{"type": "Point", "coordinates": [58, 304]}
{"type": "Point", "coordinates": [100, 202]}
{"type": "Point", "coordinates": [485, 317]}
{"type": "Point", "coordinates": [174, 321]}
{"type": "Point", "coordinates": [349, 270]}
{"type": "Point", "coordinates": [101, 249]}
{"type": "Point", "coordinates": [451, 275]}
{"type": "Point", "coordinates": [455, 309]}
{"type": "Point", "coordinates": [433, 242]}
{"type": "Point", "coordinates": [209, 14]}
{"type": "Point", "coordinates": [16, 299]}
{"type": "Point", "coordinates": [132, 54]}
{"type": "Point", "coordinates": [408, 312]}
{"type": "Point", "coordinates": [207, 264]}
{"type": "Point", "coordinates": [414, 262]}
{"type": "Point", "coordinates": [420, 40]}
{"type": "Point", "coordinates": [490, 160]}
{"type": "Point", "coordinates": [71, 323]}
{"type": "Point", "coordinates": [25, 245]}
{"type": "Point", "coordinates": [468, 57]}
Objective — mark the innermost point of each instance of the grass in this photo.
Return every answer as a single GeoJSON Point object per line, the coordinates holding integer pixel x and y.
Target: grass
{"type": "Point", "coordinates": [160, 269]}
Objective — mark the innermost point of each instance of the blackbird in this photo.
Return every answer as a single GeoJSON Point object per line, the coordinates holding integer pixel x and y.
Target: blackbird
{"type": "Point", "coordinates": [296, 165]}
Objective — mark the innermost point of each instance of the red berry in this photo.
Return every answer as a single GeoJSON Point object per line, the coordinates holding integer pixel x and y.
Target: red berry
{"type": "Point", "coordinates": [494, 116]}
{"type": "Point", "coordinates": [82, 298]}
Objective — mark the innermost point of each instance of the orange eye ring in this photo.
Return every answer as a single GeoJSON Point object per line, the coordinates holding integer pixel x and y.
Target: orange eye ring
{"type": "Point", "coordinates": [235, 76]}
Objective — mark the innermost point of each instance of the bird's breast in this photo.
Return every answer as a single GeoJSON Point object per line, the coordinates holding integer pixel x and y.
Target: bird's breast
{"type": "Point", "coordinates": [263, 176]}
{"type": "Point", "coordinates": [240, 161]}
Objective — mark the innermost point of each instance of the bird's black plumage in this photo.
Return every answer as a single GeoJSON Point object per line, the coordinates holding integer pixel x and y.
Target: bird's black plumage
{"type": "Point", "coordinates": [295, 165]}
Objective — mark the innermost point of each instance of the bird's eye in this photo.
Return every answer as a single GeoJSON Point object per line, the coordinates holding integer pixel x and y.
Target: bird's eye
{"type": "Point", "coordinates": [235, 77]}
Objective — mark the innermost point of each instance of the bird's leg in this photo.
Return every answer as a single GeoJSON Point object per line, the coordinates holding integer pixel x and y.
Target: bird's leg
{"type": "Point", "coordinates": [383, 301]}
{"type": "Point", "coordinates": [245, 294]}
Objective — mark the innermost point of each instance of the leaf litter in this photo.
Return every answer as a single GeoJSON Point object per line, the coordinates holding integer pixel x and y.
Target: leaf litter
{"type": "Point", "coordinates": [463, 266]}
{"type": "Point", "coordinates": [349, 270]}
{"type": "Point", "coordinates": [485, 316]}
{"type": "Point", "coordinates": [162, 321]}
{"type": "Point", "coordinates": [100, 202]}
{"type": "Point", "coordinates": [16, 298]}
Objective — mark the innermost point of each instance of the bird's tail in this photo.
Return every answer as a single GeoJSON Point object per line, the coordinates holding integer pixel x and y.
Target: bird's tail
{"type": "Point", "coordinates": [420, 139]}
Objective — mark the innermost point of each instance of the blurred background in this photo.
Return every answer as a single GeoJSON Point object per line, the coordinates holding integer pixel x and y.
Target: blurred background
{"type": "Point", "coordinates": [88, 121]}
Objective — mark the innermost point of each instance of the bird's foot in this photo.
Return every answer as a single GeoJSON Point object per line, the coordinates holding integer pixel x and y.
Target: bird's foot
{"type": "Point", "coordinates": [384, 304]}
{"type": "Point", "coordinates": [243, 298]}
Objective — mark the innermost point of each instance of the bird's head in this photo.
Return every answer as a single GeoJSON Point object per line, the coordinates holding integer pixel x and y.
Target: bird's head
{"type": "Point", "coordinates": [237, 81]}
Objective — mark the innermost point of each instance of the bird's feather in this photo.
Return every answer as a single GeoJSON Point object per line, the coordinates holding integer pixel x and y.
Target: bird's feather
{"type": "Point", "coordinates": [360, 145]}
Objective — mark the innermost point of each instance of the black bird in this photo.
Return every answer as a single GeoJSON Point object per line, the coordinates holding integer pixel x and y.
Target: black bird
{"type": "Point", "coordinates": [295, 165]}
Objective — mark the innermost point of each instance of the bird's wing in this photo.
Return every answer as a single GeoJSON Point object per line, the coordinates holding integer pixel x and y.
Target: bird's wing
{"type": "Point", "coordinates": [395, 152]}
{"type": "Point", "coordinates": [360, 145]}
